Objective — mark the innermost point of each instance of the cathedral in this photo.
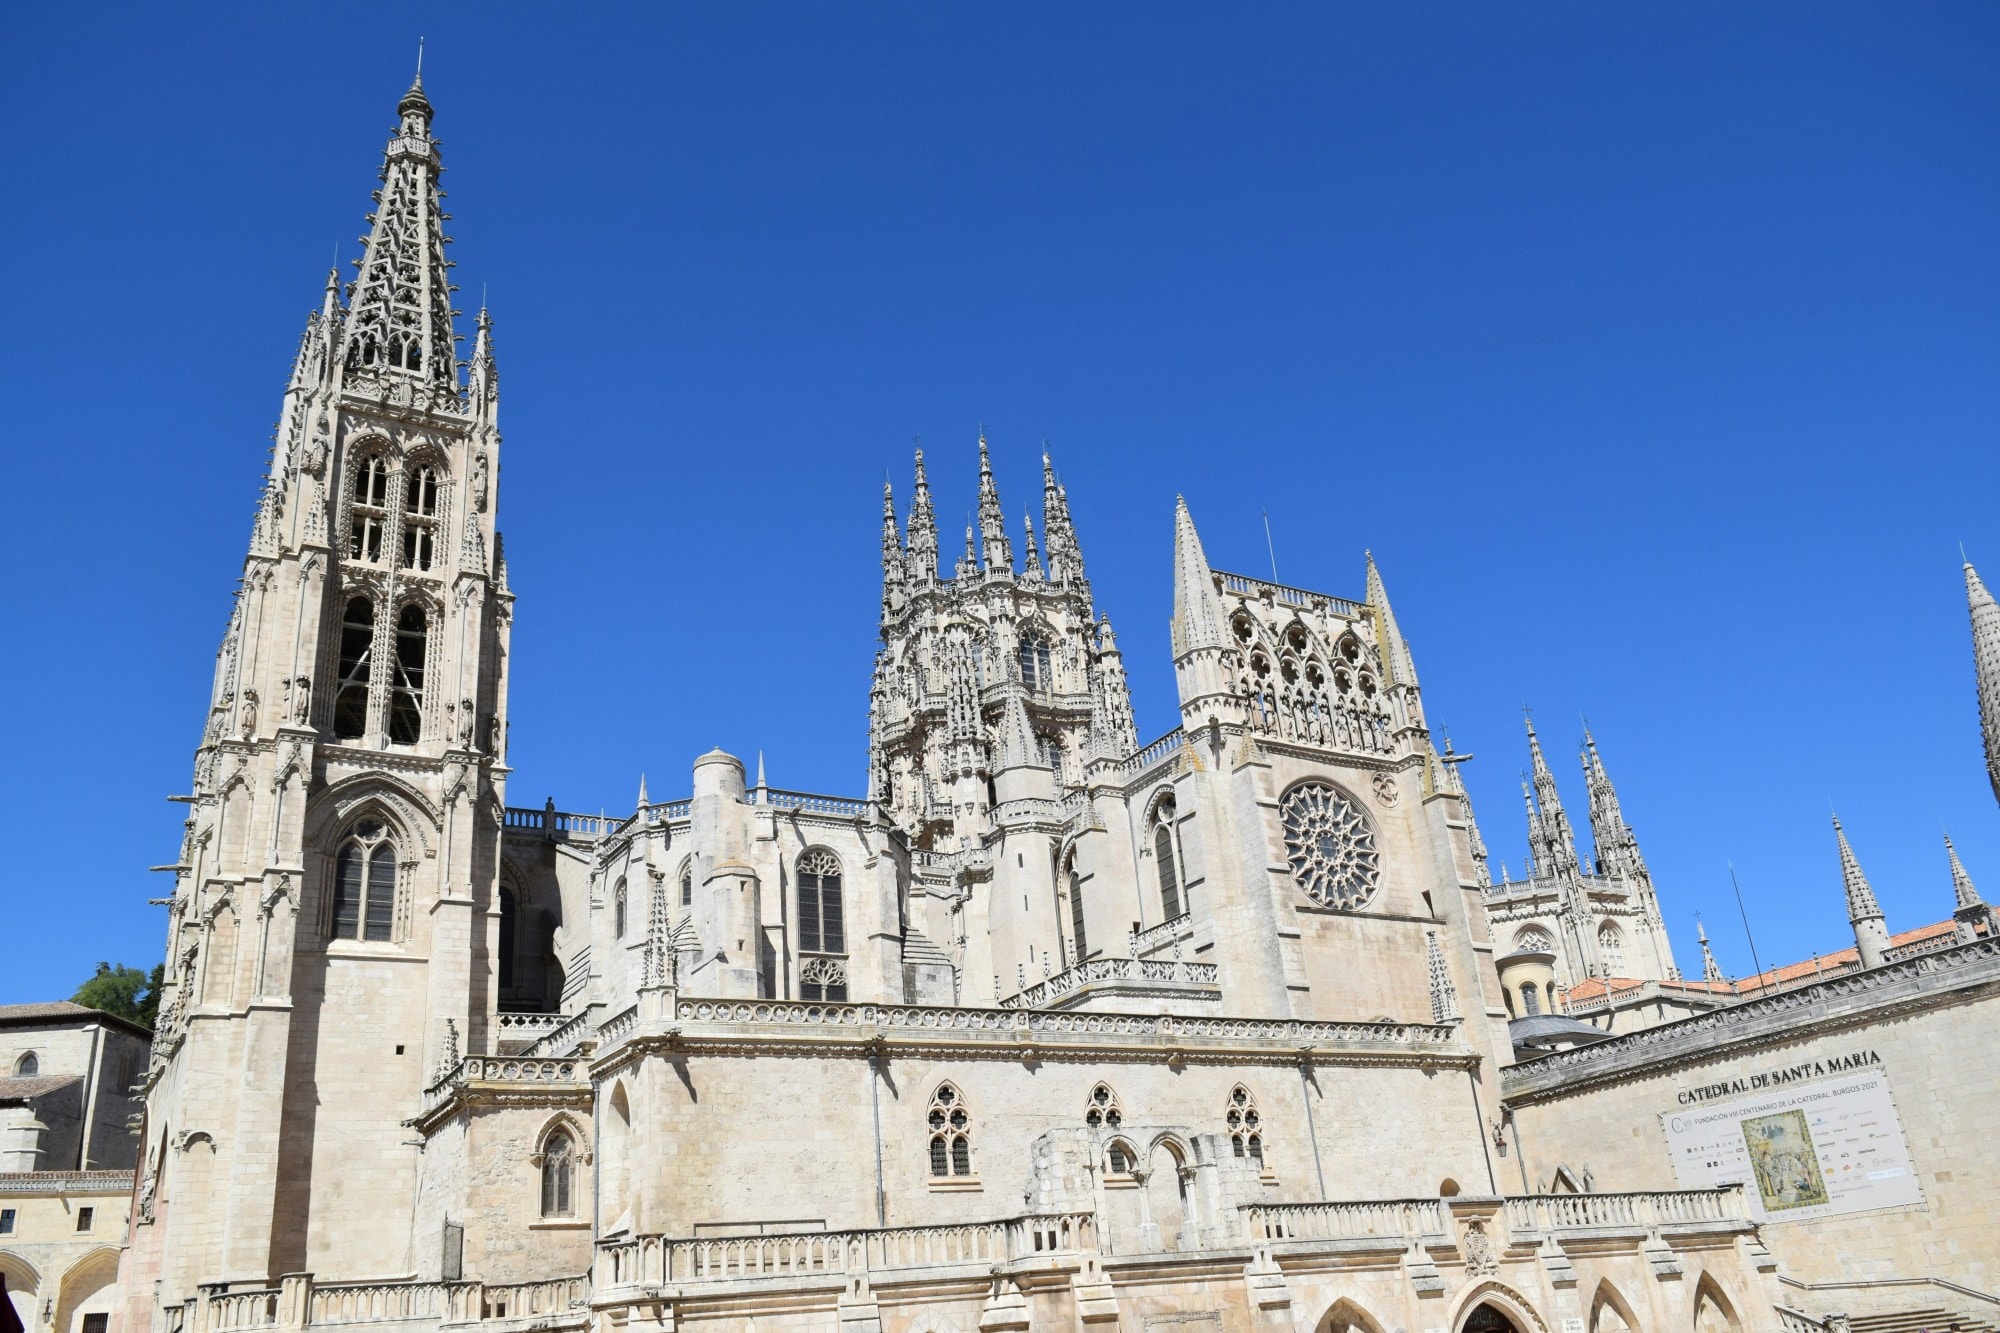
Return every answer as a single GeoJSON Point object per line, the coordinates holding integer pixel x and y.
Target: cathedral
{"type": "Point", "coordinates": [1049, 1028]}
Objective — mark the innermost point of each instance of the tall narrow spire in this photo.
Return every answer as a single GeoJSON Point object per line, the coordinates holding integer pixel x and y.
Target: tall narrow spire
{"type": "Point", "coordinates": [1197, 609]}
{"type": "Point", "coordinates": [1616, 845]}
{"type": "Point", "coordinates": [895, 561]}
{"type": "Point", "coordinates": [1396, 658]}
{"type": "Point", "coordinates": [483, 383]}
{"type": "Point", "coordinates": [998, 555]}
{"type": "Point", "coordinates": [1555, 853]}
{"type": "Point", "coordinates": [1969, 910]}
{"type": "Point", "coordinates": [1986, 668]}
{"type": "Point", "coordinates": [400, 334]}
{"type": "Point", "coordinates": [1065, 554]}
{"type": "Point", "coordinates": [922, 537]}
{"type": "Point", "coordinates": [1871, 934]}
{"type": "Point", "coordinates": [1963, 892]}
{"type": "Point", "coordinates": [1031, 556]}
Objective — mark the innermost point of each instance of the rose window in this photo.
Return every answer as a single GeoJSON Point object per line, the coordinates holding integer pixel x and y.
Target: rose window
{"type": "Point", "coordinates": [1330, 846]}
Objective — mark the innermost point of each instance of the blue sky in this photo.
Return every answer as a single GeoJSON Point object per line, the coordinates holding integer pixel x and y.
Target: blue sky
{"type": "Point", "coordinates": [1652, 350]}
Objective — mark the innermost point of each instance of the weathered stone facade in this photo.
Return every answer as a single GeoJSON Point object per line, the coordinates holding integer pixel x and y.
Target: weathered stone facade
{"type": "Point", "coordinates": [1050, 1029]}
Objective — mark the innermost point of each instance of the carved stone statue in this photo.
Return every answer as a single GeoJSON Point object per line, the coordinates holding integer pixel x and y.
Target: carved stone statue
{"type": "Point", "coordinates": [493, 735]}
{"type": "Point", "coordinates": [479, 481]}
{"type": "Point", "coordinates": [466, 718]}
{"type": "Point", "coordinates": [302, 689]}
{"type": "Point", "coordinates": [246, 715]}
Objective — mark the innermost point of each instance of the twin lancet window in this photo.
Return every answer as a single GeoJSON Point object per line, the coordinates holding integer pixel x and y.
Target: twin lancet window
{"type": "Point", "coordinates": [354, 686]}
{"type": "Point", "coordinates": [368, 513]}
{"type": "Point", "coordinates": [364, 885]}
{"type": "Point", "coordinates": [559, 1176]}
{"type": "Point", "coordinates": [951, 1134]}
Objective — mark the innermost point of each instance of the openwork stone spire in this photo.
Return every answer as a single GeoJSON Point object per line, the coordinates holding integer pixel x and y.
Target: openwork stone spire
{"type": "Point", "coordinates": [1871, 934]}
{"type": "Point", "coordinates": [1550, 840]}
{"type": "Point", "coordinates": [400, 335]}
{"type": "Point", "coordinates": [1986, 666]}
{"type": "Point", "coordinates": [1065, 554]}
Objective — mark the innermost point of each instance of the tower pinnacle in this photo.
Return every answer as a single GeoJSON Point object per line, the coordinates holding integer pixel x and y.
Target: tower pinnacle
{"type": "Point", "coordinates": [400, 334]}
{"type": "Point", "coordinates": [1871, 934]}
{"type": "Point", "coordinates": [1986, 667]}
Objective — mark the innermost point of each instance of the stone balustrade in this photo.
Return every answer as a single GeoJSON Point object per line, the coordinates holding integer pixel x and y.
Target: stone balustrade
{"type": "Point", "coordinates": [502, 1069]}
{"type": "Point", "coordinates": [628, 1267]}
{"type": "Point", "coordinates": [1642, 1211]}
{"type": "Point", "coordinates": [645, 1261]}
{"type": "Point", "coordinates": [226, 1311]}
{"type": "Point", "coordinates": [1167, 747]}
{"type": "Point", "coordinates": [1397, 1222]}
{"type": "Point", "coordinates": [1096, 970]}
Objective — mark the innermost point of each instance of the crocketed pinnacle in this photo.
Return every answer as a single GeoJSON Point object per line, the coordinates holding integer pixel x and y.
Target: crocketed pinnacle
{"type": "Point", "coordinates": [992, 520]}
{"type": "Point", "coordinates": [1065, 554]}
{"type": "Point", "coordinates": [892, 541]}
{"type": "Point", "coordinates": [1986, 668]}
{"type": "Point", "coordinates": [1551, 840]}
{"type": "Point", "coordinates": [1616, 844]}
{"type": "Point", "coordinates": [1961, 883]}
{"type": "Point", "coordinates": [922, 537]}
{"type": "Point", "coordinates": [1395, 649]}
{"type": "Point", "coordinates": [1197, 609]}
{"type": "Point", "coordinates": [1861, 904]}
{"type": "Point", "coordinates": [1031, 557]}
{"type": "Point", "coordinates": [1017, 735]}
{"type": "Point", "coordinates": [400, 315]}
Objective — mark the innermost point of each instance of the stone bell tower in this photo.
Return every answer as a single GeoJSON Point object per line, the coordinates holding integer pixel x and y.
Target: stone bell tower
{"type": "Point", "coordinates": [331, 936]}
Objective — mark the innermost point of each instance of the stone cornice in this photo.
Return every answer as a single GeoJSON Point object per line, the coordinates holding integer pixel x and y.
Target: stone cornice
{"type": "Point", "coordinates": [772, 1028]}
{"type": "Point", "coordinates": [1855, 999]}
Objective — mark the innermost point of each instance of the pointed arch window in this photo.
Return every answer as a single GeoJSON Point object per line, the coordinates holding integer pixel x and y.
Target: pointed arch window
{"type": "Point", "coordinates": [406, 706]}
{"type": "Point", "coordinates": [1531, 999]}
{"type": "Point", "coordinates": [558, 1176]}
{"type": "Point", "coordinates": [618, 911]}
{"type": "Point", "coordinates": [364, 884]}
{"type": "Point", "coordinates": [687, 884]}
{"type": "Point", "coordinates": [420, 513]}
{"type": "Point", "coordinates": [1166, 856]}
{"type": "Point", "coordinates": [1246, 1126]}
{"type": "Point", "coordinates": [1102, 1111]}
{"type": "Point", "coordinates": [1611, 949]}
{"type": "Point", "coordinates": [950, 1127]}
{"type": "Point", "coordinates": [821, 929]}
{"type": "Point", "coordinates": [510, 914]}
{"type": "Point", "coordinates": [28, 1065]}
{"type": "Point", "coordinates": [1073, 886]}
{"type": "Point", "coordinates": [1036, 665]}
{"type": "Point", "coordinates": [368, 508]}
{"type": "Point", "coordinates": [357, 651]}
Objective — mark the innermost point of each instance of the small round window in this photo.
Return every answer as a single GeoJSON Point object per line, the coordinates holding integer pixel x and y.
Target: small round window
{"type": "Point", "coordinates": [1330, 846]}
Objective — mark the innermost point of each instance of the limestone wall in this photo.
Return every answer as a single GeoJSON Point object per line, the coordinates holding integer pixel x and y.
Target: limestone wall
{"type": "Point", "coordinates": [1929, 1024]}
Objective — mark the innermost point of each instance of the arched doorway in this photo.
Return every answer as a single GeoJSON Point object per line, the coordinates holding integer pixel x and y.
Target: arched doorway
{"type": "Point", "coordinates": [1486, 1317]}
{"type": "Point", "coordinates": [87, 1293]}
{"type": "Point", "coordinates": [1346, 1317]}
{"type": "Point", "coordinates": [24, 1286]}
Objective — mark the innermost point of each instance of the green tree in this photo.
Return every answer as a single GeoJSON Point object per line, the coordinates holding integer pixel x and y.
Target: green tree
{"type": "Point", "coordinates": [124, 991]}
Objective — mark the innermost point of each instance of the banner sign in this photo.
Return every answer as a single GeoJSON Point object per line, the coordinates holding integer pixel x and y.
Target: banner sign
{"type": "Point", "coordinates": [1801, 1146]}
